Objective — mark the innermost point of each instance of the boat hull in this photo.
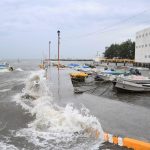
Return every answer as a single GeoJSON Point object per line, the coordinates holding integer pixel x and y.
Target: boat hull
{"type": "Point", "coordinates": [133, 87]}
{"type": "Point", "coordinates": [105, 77]}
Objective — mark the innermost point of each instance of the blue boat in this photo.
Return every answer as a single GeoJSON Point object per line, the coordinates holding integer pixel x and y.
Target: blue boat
{"type": "Point", "coordinates": [73, 65]}
{"type": "Point", "coordinates": [114, 72]}
{"type": "Point", "coordinates": [110, 75]}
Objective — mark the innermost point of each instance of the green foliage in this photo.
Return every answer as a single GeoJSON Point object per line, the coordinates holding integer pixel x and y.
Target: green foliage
{"type": "Point", "coordinates": [124, 50]}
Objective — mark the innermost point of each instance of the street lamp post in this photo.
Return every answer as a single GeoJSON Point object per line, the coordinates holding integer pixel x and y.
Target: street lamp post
{"type": "Point", "coordinates": [49, 53]}
{"type": "Point", "coordinates": [58, 32]}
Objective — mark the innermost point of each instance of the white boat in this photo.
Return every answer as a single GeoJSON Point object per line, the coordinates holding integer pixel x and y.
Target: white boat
{"type": "Point", "coordinates": [134, 78]}
{"type": "Point", "coordinates": [131, 86]}
{"type": "Point", "coordinates": [141, 68]}
{"type": "Point", "coordinates": [5, 66]}
{"type": "Point", "coordinates": [85, 69]}
{"type": "Point", "coordinates": [133, 83]}
{"type": "Point", "coordinates": [105, 77]}
{"type": "Point", "coordinates": [109, 74]}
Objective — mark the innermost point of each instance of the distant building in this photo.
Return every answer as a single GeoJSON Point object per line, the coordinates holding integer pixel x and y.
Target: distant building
{"type": "Point", "coordinates": [142, 46]}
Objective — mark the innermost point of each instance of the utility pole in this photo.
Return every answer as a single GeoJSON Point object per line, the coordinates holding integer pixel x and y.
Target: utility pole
{"type": "Point", "coordinates": [49, 53]}
{"type": "Point", "coordinates": [58, 32]}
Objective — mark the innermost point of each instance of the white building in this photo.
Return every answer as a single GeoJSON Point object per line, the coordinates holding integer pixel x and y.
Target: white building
{"type": "Point", "coordinates": [142, 46]}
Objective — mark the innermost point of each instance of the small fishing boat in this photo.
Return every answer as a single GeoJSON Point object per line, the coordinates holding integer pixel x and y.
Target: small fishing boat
{"type": "Point", "coordinates": [104, 77]}
{"type": "Point", "coordinates": [109, 75]}
{"type": "Point", "coordinates": [84, 69]}
{"type": "Point", "coordinates": [112, 74]}
{"type": "Point", "coordinates": [133, 83]}
{"type": "Point", "coordinates": [78, 76]}
{"type": "Point", "coordinates": [139, 79]}
{"type": "Point", "coordinates": [73, 65]}
{"type": "Point", "coordinates": [6, 66]}
{"type": "Point", "coordinates": [141, 68]}
{"type": "Point", "coordinates": [133, 87]}
{"type": "Point", "coordinates": [59, 65]}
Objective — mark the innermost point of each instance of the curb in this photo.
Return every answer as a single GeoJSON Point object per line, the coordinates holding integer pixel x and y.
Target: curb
{"type": "Point", "coordinates": [126, 142]}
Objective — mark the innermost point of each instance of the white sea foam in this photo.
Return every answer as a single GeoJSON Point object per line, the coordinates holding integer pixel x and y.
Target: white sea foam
{"type": "Point", "coordinates": [5, 146]}
{"type": "Point", "coordinates": [56, 127]}
{"type": "Point", "coordinates": [19, 69]}
{"type": "Point", "coordinates": [4, 70]}
{"type": "Point", "coordinates": [4, 90]}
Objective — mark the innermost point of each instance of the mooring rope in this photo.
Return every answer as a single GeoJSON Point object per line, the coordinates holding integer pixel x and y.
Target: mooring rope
{"type": "Point", "coordinates": [92, 89]}
{"type": "Point", "coordinates": [105, 90]}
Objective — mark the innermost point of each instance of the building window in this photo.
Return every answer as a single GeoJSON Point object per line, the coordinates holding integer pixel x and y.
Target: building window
{"type": "Point", "coordinates": [145, 45]}
{"type": "Point", "coordinates": [149, 56]}
{"type": "Point", "coordinates": [145, 56]}
{"type": "Point", "coordinates": [146, 34]}
{"type": "Point", "coordinates": [143, 35]}
{"type": "Point", "coordinates": [149, 44]}
{"type": "Point", "coordinates": [139, 36]}
{"type": "Point", "coordinates": [142, 46]}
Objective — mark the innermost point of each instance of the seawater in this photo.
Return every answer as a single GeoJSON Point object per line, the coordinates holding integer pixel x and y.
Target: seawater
{"type": "Point", "coordinates": [47, 124]}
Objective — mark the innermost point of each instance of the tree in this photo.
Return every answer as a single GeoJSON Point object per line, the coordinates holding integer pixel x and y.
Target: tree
{"type": "Point", "coordinates": [124, 50]}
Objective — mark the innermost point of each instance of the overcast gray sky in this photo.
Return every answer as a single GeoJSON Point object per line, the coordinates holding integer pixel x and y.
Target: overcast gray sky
{"type": "Point", "coordinates": [86, 26]}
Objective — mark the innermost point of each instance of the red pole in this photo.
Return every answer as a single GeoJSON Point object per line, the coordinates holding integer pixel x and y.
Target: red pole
{"type": "Point", "coordinates": [49, 54]}
{"type": "Point", "coordinates": [58, 46]}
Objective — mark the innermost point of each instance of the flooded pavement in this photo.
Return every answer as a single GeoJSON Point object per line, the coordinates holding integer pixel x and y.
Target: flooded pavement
{"type": "Point", "coordinates": [61, 119]}
{"type": "Point", "coordinates": [124, 114]}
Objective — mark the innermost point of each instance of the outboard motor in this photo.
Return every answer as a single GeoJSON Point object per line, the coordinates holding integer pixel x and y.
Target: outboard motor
{"type": "Point", "coordinates": [112, 69]}
{"type": "Point", "coordinates": [131, 71]}
{"type": "Point", "coordinates": [106, 68]}
{"type": "Point", "coordinates": [11, 68]}
{"type": "Point", "coordinates": [137, 72]}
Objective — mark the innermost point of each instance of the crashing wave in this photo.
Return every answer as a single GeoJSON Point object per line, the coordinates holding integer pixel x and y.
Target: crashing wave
{"type": "Point", "coordinates": [54, 126]}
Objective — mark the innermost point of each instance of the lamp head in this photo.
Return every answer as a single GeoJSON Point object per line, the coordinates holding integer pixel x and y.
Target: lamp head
{"type": "Point", "coordinates": [58, 32]}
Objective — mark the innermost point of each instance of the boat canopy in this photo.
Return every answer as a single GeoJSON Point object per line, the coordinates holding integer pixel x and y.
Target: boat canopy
{"type": "Point", "coordinates": [73, 65]}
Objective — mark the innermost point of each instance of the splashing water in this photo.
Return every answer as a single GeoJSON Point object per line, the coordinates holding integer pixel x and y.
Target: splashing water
{"type": "Point", "coordinates": [19, 69]}
{"type": "Point", "coordinates": [4, 70]}
{"type": "Point", "coordinates": [5, 146]}
{"type": "Point", "coordinates": [5, 90]}
{"type": "Point", "coordinates": [56, 127]}
{"type": "Point", "coordinates": [36, 85]}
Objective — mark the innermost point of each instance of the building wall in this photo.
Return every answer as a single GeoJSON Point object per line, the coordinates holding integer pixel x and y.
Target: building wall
{"type": "Point", "coordinates": [142, 46]}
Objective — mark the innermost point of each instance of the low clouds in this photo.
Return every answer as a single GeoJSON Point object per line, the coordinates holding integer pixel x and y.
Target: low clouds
{"type": "Point", "coordinates": [15, 12]}
{"type": "Point", "coordinates": [36, 20]}
{"type": "Point", "coordinates": [35, 14]}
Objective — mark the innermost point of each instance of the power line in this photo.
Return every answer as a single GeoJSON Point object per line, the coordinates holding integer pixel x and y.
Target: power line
{"type": "Point", "coordinates": [110, 28]}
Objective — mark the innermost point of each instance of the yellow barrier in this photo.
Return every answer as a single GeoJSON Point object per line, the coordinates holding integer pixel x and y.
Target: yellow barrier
{"type": "Point", "coordinates": [127, 142]}
{"type": "Point", "coordinates": [136, 144]}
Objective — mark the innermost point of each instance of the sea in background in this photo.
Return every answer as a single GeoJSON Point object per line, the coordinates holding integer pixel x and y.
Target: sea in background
{"type": "Point", "coordinates": [61, 119]}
